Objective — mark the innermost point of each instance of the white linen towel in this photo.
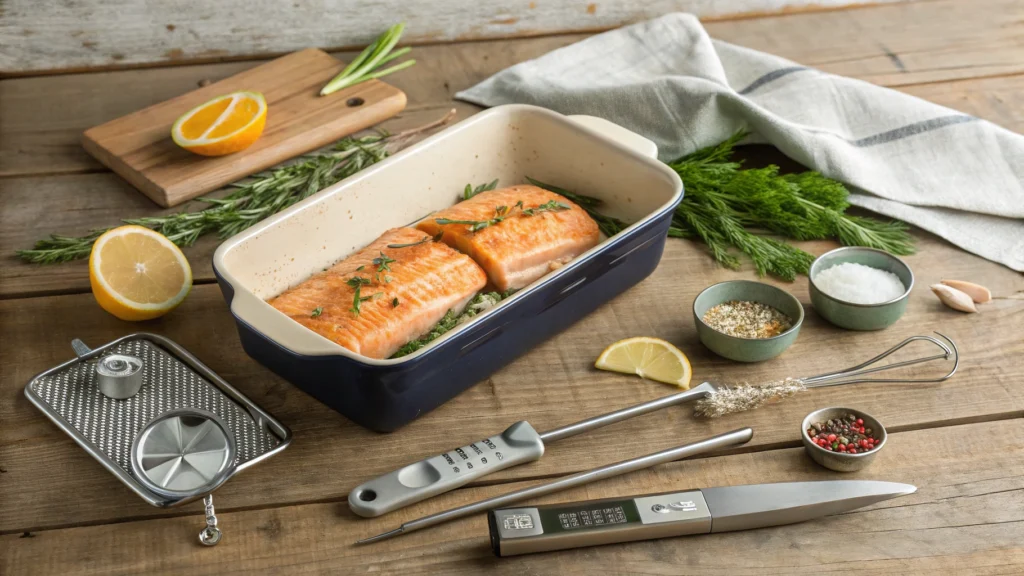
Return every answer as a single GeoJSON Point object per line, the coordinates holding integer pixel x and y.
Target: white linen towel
{"type": "Point", "coordinates": [952, 174]}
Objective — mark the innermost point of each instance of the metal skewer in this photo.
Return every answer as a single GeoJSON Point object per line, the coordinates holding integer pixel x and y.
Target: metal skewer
{"type": "Point", "coordinates": [733, 438]}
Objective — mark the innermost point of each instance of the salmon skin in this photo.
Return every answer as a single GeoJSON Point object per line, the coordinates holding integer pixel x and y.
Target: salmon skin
{"type": "Point", "coordinates": [516, 234]}
{"type": "Point", "coordinates": [406, 283]}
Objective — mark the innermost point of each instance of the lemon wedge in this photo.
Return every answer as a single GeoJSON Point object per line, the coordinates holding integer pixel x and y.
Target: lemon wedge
{"type": "Point", "coordinates": [650, 358]}
{"type": "Point", "coordinates": [137, 273]}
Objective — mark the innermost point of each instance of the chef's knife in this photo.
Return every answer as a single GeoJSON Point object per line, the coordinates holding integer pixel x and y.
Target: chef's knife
{"type": "Point", "coordinates": [526, 530]}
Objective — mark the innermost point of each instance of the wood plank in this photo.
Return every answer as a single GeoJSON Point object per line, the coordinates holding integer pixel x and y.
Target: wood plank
{"type": "Point", "coordinates": [36, 37]}
{"type": "Point", "coordinates": [298, 120]}
{"type": "Point", "coordinates": [969, 520]}
{"type": "Point", "coordinates": [552, 385]}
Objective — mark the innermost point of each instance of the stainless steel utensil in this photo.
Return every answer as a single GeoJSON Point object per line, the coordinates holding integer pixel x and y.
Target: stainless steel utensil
{"type": "Point", "coordinates": [119, 376]}
{"type": "Point", "coordinates": [520, 443]}
{"type": "Point", "coordinates": [705, 511]}
{"type": "Point", "coordinates": [733, 438]}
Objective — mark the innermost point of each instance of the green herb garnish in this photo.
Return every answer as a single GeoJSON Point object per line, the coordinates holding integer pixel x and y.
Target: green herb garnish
{"type": "Point", "coordinates": [394, 303]}
{"type": "Point", "coordinates": [358, 299]}
{"type": "Point", "coordinates": [365, 66]}
{"type": "Point", "coordinates": [410, 244]}
{"type": "Point", "coordinates": [549, 206]}
{"type": "Point", "coordinates": [469, 192]}
{"type": "Point", "coordinates": [361, 267]}
{"type": "Point", "coordinates": [480, 303]}
{"type": "Point", "coordinates": [317, 312]}
{"type": "Point", "coordinates": [357, 281]}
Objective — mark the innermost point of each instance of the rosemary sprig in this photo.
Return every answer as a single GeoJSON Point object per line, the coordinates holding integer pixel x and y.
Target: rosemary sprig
{"type": "Point", "coordinates": [609, 226]}
{"type": "Point", "coordinates": [549, 206]}
{"type": "Point", "coordinates": [251, 200]}
{"type": "Point", "coordinates": [367, 65]}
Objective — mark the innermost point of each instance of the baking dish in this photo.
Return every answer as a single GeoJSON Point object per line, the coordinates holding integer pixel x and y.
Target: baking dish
{"type": "Point", "coordinates": [586, 154]}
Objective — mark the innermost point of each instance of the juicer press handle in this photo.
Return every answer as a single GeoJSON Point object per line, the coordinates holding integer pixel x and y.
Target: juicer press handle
{"type": "Point", "coordinates": [518, 444]}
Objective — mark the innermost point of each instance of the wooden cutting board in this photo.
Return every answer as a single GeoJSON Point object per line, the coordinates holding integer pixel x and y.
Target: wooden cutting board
{"type": "Point", "coordinates": [139, 148]}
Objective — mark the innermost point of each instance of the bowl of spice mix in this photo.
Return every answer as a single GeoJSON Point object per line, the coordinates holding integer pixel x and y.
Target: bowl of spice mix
{"type": "Point", "coordinates": [842, 439]}
{"type": "Point", "coordinates": [747, 321]}
{"type": "Point", "coordinates": [860, 288]}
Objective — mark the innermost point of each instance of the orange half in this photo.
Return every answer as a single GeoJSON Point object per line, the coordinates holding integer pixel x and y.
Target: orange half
{"type": "Point", "coordinates": [223, 125]}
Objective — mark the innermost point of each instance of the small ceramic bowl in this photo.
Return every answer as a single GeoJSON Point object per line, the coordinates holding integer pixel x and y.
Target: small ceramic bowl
{"type": "Point", "coordinates": [861, 316]}
{"type": "Point", "coordinates": [747, 349]}
{"type": "Point", "coordinates": [842, 461]}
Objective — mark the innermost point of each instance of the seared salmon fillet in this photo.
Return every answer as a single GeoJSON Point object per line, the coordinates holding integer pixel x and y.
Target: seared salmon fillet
{"type": "Point", "coordinates": [516, 234]}
{"type": "Point", "coordinates": [403, 292]}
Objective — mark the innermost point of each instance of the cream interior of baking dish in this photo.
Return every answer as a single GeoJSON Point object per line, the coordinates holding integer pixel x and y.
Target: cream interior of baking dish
{"type": "Point", "coordinates": [584, 154]}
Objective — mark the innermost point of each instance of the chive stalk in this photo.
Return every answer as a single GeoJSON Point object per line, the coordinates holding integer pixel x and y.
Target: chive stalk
{"type": "Point", "coordinates": [366, 65]}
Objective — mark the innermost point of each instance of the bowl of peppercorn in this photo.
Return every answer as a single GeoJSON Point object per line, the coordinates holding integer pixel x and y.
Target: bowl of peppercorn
{"type": "Point", "coordinates": [842, 439]}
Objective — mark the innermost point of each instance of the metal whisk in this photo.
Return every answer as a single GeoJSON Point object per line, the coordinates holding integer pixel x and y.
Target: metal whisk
{"type": "Point", "coordinates": [722, 400]}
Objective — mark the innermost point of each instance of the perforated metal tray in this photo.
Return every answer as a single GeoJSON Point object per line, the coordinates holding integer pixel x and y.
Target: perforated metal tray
{"type": "Point", "coordinates": [173, 379]}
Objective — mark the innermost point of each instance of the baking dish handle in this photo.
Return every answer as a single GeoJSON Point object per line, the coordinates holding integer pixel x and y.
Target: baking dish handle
{"type": "Point", "coordinates": [613, 131]}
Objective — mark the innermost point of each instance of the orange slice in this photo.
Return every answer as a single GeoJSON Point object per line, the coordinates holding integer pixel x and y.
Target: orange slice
{"type": "Point", "coordinates": [137, 273]}
{"type": "Point", "coordinates": [223, 125]}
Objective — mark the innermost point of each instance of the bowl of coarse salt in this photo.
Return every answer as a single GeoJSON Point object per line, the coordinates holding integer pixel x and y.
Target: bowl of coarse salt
{"type": "Point", "coordinates": [860, 288]}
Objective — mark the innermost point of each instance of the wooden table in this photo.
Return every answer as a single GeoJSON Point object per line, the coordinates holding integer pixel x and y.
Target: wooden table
{"type": "Point", "coordinates": [960, 441]}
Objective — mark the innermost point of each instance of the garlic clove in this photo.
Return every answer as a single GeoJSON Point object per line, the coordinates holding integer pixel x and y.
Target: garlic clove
{"type": "Point", "coordinates": [954, 298]}
{"type": "Point", "coordinates": [978, 293]}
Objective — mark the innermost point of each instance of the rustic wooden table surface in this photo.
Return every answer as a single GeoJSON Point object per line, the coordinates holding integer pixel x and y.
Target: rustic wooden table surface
{"type": "Point", "coordinates": [960, 441]}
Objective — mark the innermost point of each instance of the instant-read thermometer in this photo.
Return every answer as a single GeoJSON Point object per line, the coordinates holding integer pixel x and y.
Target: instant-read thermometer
{"type": "Point", "coordinates": [531, 529]}
{"type": "Point", "coordinates": [518, 444]}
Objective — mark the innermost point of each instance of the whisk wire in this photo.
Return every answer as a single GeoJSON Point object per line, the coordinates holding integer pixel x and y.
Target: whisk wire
{"type": "Point", "coordinates": [855, 374]}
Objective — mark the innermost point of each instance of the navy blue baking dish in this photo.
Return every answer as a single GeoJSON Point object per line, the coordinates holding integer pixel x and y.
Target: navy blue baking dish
{"type": "Point", "coordinates": [585, 154]}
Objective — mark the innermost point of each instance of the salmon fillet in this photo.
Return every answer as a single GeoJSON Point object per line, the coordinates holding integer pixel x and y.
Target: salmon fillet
{"type": "Point", "coordinates": [402, 294]}
{"type": "Point", "coordinates": [526, 232]}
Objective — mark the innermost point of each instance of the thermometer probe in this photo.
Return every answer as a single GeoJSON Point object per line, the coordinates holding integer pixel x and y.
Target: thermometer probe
{"type": "Point", "coordinates": [518, 444]}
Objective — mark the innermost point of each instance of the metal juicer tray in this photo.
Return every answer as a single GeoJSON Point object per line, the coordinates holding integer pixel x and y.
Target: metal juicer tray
{"type": "Point", "coordinates": [173, 379]}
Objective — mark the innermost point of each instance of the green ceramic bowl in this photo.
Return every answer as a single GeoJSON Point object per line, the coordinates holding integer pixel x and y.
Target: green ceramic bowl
{"type": "Point", "coordinates": [861, 316]}
{"type": "Point", "coordinates": [747, 349]}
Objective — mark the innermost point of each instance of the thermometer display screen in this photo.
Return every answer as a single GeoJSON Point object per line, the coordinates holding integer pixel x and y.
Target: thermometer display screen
{"type": "Point", "coordinates": [594, 515]}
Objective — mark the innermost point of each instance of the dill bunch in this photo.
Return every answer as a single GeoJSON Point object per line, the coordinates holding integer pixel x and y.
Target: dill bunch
{"type": "Point", "coordinates": [730, 208]}
{"type": "Point", "coordinates": [251, 200]}
{"type": "Point", "coordinates": [736, 211]}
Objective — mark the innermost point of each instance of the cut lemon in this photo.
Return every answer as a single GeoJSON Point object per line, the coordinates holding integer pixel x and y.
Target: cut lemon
{"type": "Point", "coordinates": [650, 358]}
{"type": "Point", "coordinates": [223, 125]}
{"type": "Point", "coordinates": [138, 274]}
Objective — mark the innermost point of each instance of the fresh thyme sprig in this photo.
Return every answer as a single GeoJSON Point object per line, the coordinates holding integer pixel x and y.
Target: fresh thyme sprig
{"type": "Point", "coordinates": [251, 200]}
{"type": "Point", "coordinates": [503, 212]}
{"type": "Point", "coordinates": [367, 65]}
{"type": "Point", "coordinates": [469, 192]}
